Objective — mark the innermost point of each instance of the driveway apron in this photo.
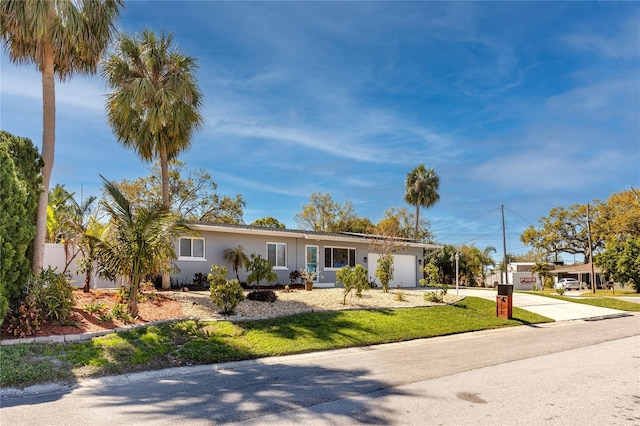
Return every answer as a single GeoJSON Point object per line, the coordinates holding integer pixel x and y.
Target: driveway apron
{"type": "Point", "coordinates": [558, 310]}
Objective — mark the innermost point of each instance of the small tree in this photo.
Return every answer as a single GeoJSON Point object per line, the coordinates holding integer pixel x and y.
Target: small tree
{"type": "Point", "coordinates": [352, 279]}
{"type": "Point", "coordinates": [260, 269]}
{"type": "Point", "coordinates": [225, 294]}
{"type": "Point", "coordinates": [621, 261]}
{"type": "Point", "coordinates": [236, 258]}
{"type": "Point", "coordinates": [384, 271]}
{"type": "Point", "coordinates": [138, 241]}
{"type": "Point", "coordinates": [431, 274]}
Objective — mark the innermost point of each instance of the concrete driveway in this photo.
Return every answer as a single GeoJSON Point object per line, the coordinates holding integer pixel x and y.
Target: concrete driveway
{"type": "Point", "coordinates": [558, 310]}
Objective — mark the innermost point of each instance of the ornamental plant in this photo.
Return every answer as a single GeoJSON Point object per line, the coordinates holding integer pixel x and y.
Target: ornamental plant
{"type": "Point", "coordinates": [260, 269]}
{"type": "Point", "coordinates": [352, 279]}
{"type": "Point", "coordinates": [384, 271]}
{"type": "Point", "coordinates": [225, 294]}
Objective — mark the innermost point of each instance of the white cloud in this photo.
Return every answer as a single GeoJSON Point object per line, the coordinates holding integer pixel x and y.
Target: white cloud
{"type": "Point", "coordinates": [24, 82]}
{"type": "Point", "coordinates": [624, 44]}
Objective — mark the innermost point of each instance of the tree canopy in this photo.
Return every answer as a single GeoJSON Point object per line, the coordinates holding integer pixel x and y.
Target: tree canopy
{"type": "Point", "coordinates": [154, 108]}
{"type": "Point", "coordinates": [192, 194]}
{"type": "Point", "coordinates": [421, 190]}
{"type": "Point", "coordinates": [618, 222]}
{"type": "Point", "coordinates": [621, 261]}
{"type": "Point", "coordinates": [268, 222]}
{"type": "Point", "coordinates": [403, 224]}
{"type": "Point", "coordinates": [564, 230]}
{"type": "Point", "coordinates": [324, 214]}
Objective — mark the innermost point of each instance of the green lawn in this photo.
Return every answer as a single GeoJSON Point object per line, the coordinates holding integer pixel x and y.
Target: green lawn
{"type": "Point", "coordinates": [602, 298]}
{"type": "Point", "coordinates": [191, 342]}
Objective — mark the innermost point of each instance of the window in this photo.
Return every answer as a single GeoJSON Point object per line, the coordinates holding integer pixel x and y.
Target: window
{"type": "Point", "coordinates": [191, 248]}
{"type": "Point", "coordinates": [337, 257]}
{"type": "Point", "coordinates": [277, 255]}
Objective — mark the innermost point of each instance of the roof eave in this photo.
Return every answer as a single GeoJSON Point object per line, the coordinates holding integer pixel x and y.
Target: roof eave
{"type": "Point", "coordinates": [297, 234]}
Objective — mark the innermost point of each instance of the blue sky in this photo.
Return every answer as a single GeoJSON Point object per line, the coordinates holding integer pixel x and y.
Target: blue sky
{"type": "Point", "coordinates": [530, 105]}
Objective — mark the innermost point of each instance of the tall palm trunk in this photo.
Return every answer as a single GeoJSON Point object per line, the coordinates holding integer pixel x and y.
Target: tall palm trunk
{"type": "Point", "coordinates": [133, 295]}
{"type": "Point", "coordinates": [415, 232]}
{"type": "Point", "coordinates": [48, 145]}
{"type": "Point", "coordinates": [164, 167]}
{"type": "Point", "coordinates": [87, 281]}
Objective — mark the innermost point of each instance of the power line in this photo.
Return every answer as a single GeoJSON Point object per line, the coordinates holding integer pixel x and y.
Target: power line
{"type": "Point", "coordinates": [519, 216]}
{"type": "Point", "coordinates": [459, 225]}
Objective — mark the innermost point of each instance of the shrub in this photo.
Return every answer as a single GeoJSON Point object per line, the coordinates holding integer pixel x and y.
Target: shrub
{"type": "Point", "coordinates": [26, 319]}
{"type": "Point", "coordinates": [225, 294]}
{"type": "Point", "coordinates": [400, 296]}
{"type": "Point", "coordinates": [352, 279]}
{"type": "Point", "coordinates": [294, 276]}
{"type": "Point", "coordinates": [262, 296]}
{"type": "Point", "coordinates": [118, 310]}
{"type": "Point", "coordinates": [217, 276]}
{"type": "Point", "coordinates": [560, 291]}
{"type": "Point", "coordinates": [228, 295]}
{"type": "Point", "coordinates": [436, 296]}
{"type": "Point", "coordinates": [54, 295]}
{"type": "Point", "coordinates": [20, 187]}
{"type": "Point", "coordinates": [94, 308]}
{"type": "Point", "coordinates": [105, 316]}
{"type": "Point", "coordinates": [200, 282]}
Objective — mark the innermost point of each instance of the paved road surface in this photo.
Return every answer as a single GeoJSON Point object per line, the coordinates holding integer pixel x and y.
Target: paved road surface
{"type": "Point", "coordinates": [573, 372]}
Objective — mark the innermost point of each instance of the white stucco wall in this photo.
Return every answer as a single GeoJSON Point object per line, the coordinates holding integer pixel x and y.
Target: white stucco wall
{"type": "Point", "coordinates": [54, 256]}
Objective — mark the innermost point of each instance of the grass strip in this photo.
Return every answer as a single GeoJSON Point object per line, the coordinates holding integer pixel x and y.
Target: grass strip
{"type": "Point", "coordinates": [603, 302]}
{"type": "Point", "coordinates": [195, 342]}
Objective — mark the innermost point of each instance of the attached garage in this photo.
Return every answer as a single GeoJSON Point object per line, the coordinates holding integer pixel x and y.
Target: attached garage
{"type": "Point", "coordinates": [405, 270]}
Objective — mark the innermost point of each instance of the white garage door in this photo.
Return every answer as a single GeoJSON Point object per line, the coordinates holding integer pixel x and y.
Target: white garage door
{"type": "Point", "coordinates": [404, 269]}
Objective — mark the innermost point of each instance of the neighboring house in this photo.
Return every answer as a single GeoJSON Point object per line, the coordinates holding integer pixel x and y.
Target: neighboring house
{"type": "Point", "coordinates": [290, 250]}
{"type": "Point", "coordinates": [519, 275]}
{"type": "Point", "coordinates": [581, 272]}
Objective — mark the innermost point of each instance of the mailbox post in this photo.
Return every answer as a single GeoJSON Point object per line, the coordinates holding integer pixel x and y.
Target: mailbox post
{"type": "Point", "coordinates": [504, 301]}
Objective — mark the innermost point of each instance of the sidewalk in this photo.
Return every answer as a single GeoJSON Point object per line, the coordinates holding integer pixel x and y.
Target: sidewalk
{"type": "Point", "coordinates": [558, 310]}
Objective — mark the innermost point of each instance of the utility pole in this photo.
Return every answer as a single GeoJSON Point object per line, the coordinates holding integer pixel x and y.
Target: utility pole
{"type": "Point", "coordinates": [593, 275]}
{"type": "Point", "coordinates": [504, 246]}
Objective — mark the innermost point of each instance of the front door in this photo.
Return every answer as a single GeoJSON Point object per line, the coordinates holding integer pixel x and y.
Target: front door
{"type": "Point", "coordinates": [312, 260]}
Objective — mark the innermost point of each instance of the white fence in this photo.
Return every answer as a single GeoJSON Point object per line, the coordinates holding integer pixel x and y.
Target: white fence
{"type": "Point", "coordinates": [520, 280]}
{"type": "Point", "coordinates": [55, 257]}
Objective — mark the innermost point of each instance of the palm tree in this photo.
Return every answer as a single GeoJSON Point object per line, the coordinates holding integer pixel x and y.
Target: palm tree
{"type": "Point", "coordinates": [60, 38]}
{"type": "Point", "coordinates": [237, 258]}
{"type": "Point", "coordinates": [541, 267]}
{"type": "Point", "coordinates": [421, 190]}
{"type": "Point", "coordinates": [137, 242]}
{"type": "Point", "coordinates": [486, 260]}
{"type": "Point", "coordinates": [154, 108]}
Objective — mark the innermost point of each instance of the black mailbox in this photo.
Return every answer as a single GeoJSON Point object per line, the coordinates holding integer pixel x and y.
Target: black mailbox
{"type": "Point", "coordinates": [505, 290]}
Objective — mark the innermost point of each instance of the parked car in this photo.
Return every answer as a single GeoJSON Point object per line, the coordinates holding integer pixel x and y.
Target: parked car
{"type": "Point", "coordinates": [568, 284]}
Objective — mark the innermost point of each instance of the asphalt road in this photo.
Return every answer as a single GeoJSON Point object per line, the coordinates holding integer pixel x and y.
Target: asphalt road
{"type": "Point", "coordinates": [573, 372]}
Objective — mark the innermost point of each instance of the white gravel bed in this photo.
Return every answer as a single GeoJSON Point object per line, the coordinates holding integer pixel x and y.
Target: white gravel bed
{"type": "Point", "coordinates": [198, 304]}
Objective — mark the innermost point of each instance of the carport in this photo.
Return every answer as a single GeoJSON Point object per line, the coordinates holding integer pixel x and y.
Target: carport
{"type": "Point", "coordinates": [581, 273]}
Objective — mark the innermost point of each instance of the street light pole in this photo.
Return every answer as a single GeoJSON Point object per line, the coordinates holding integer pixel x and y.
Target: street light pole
{"type": "Point", "coordinates": [457, 258]}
